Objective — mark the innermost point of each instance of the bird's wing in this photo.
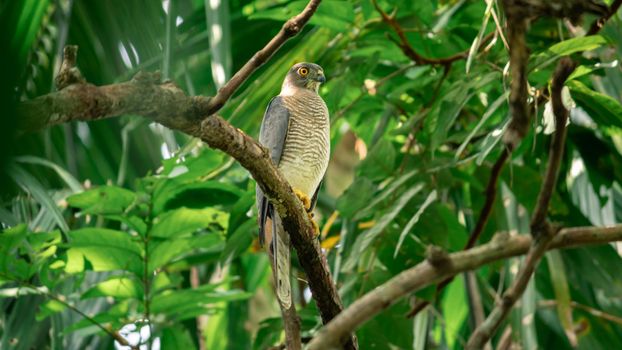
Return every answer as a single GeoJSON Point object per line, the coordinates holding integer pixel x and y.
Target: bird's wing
{"type": "Point", "coordinates": [272, 135]}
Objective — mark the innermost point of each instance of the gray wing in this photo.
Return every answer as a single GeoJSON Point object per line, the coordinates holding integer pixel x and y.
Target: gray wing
{"type": "Point", "coordinates": [271, 135]}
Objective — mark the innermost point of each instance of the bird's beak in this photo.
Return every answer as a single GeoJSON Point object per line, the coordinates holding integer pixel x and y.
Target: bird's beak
{"type": "Point", "coordinates": [320, 78]}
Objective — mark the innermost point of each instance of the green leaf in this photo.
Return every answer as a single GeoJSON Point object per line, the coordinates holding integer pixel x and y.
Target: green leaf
{"type": "Point", "coordinates": [379, 162]}
{"type": "Point", "coordinates": [161, 253]}
{"type": "Point", "coordinates": [11, 238]}
{"type": "Point", "coordinates": [176, 337]}
{"type": "Point", "coordinates": [557, 271]}
{"type": "Point", "coordinates": [570, 46]}
{"type": "Point", "coordinates": [107, 249]}
{"type": "Point", "coordinates": [69, 179]}
{"type": "Point", "coordinates": [603, 109]}
{"type": "Point", "coordinates": [337, 15]}
{"type": "Point", "coordinates": [455, 309]}
{"type": "Point", "coordinates": [103, 200]}
{"type": "Point", "coordinates": [184, 221]}
{"type": "Point", "coordinates": [240, 241]}
{"type": "Point", "coordinates": [75, 261]}
{"type": "Point", "coordinates": [31, 185]}
{"type": "Point", "coordinates": [179, 302]}
{"type": "Point", "coordinates": [386, 192]}
{"type": "Point", "coordinates": [564, 48]}
{"type": "Point", "coordinates": [117, 287]}
{"type": "Point", "coordinates": [431, 198]}
{"type": "Point", "coordinates": [366, 238]}
{"type": "Point", "coordinates": [49, 308]}
{"type": "Point", "coordinates": [176, 193]}
{"type": "Point", "coordinates": [356, 197]}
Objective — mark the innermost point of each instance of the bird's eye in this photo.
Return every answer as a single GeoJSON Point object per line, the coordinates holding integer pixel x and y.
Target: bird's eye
{"type": "Point", "coordinates": [303, 71]}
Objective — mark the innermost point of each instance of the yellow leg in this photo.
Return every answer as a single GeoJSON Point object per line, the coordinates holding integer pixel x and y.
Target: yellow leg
{"type": "Point", "coordinates": [303, 198]}
{"type": "Point", "coordinates": [307, 204]}
{"type": "Point", "coordinates": [316, 228]}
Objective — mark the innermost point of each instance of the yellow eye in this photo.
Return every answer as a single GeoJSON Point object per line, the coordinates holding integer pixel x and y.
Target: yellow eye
{"type": "Point", "coordinates": [303, 71]}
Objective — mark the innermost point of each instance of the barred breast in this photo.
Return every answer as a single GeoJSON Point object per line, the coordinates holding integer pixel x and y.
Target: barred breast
{"type": "Point", "coordinates": [307, 144]}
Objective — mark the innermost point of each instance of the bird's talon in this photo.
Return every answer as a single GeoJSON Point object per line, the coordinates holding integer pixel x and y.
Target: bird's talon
{"type": "Point", "coordinates": [316, 228]}
{"type": "Point", "coordinates": [304, 199]}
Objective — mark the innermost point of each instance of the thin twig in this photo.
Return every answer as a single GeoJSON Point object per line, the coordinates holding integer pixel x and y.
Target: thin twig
{"type": "Point", "coordinates": [600, 23]}
{"type": "Point", "coordinates": [592, 311]}
{"type": "Point", "coordinates": [410, 52]}
{"type": "Point", "coordinates": [425, 273]}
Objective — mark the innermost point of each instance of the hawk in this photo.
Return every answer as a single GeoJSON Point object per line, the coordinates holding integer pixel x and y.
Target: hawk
{"type": "Point", "coordinates": [296, 131]}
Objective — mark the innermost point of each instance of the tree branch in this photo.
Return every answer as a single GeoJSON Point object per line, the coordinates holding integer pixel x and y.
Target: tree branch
{"type": "Point", "coordinates": [517, 22]}
{"type": "Point", "coordinates": [600, 23]}
{"type": "Point", "coordinates": [542, 232]}
{"type": "Point", "coordinates": [425, 273]}
{"type": "Point", "coordinates": [168, 105]}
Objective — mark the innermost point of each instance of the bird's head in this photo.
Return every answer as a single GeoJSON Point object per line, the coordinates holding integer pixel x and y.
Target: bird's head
{"type": "Point", "coordinates": [304, 75]}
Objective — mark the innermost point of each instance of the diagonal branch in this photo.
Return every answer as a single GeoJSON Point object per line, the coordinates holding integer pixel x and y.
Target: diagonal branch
{"type": "Point", "coordinates": [168, 105]}
{"type": "Point", "coordinates": [542, 232]}
{"type": "Point", "coordinates": [440, 266]}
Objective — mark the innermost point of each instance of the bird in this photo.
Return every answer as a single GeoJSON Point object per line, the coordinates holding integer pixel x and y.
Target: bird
{"type": "Point", "coordinates": [296, 131]}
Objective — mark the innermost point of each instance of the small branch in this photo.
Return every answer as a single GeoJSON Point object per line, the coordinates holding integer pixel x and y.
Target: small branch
{"type": "Point", "coordinates": [424, 274]}
{"type": "Point", "coordinates": [542, 232]}
{"type": "Point", "coordinates": [565, 67]}
{"type": "Point", "coordinates": [491, 194]}
{"type": "Point", "coordinates": [592, 311]}
{"type": "Point", "coordinates": [475, 302]}
{"type": "Point", "coordinates": [410, 52]}
{"type": "Point", "coordinates": [600, 23]}
{"type": "Point", "coordinates": [517, 22]}
{"type": "Point", "coordinates": [290, 29]}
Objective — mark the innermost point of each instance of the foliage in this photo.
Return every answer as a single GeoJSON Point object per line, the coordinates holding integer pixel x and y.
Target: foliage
{"type": "Point", "coordinates": [128, 222]}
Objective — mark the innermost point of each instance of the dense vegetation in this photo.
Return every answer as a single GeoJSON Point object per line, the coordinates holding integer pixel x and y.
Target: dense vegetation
{"type": "Point", "coordinates": [121, 229]}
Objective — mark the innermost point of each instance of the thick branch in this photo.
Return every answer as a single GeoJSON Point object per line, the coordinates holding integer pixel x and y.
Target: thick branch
{"type": "Point", "coordinates": [425, 274]}
{"type": "Point", "coordinates": [541, 230]}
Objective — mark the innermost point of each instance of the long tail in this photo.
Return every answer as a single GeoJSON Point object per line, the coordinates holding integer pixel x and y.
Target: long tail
{"type": "Point", "coordinates": [281, 254]}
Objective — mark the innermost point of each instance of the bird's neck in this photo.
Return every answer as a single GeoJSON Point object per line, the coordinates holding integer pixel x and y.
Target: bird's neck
{"type": "Point", "coordinates": [289, 89]}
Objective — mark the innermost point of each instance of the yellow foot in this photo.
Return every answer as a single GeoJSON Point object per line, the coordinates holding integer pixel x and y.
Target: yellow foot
{"type": "Point", "coordinates": [316, 228]}
{"type": "Point", "coordinates": [303, 198]}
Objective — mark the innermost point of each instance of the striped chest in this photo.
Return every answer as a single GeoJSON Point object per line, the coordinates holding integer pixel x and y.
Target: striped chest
{"type": "Point", "coordinates": [307, 144]}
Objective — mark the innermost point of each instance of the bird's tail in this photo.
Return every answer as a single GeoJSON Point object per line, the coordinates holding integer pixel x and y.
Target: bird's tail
{"type": "Point", "coordinates": [280, 248]}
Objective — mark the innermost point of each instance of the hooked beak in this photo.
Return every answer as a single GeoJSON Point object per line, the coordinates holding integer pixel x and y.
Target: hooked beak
{"type": "Point", "coordinates": [320, 78]}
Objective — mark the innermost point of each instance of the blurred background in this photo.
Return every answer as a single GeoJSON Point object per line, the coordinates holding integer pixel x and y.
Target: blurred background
{"type": "Point", "coordinates": [412, 146]}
